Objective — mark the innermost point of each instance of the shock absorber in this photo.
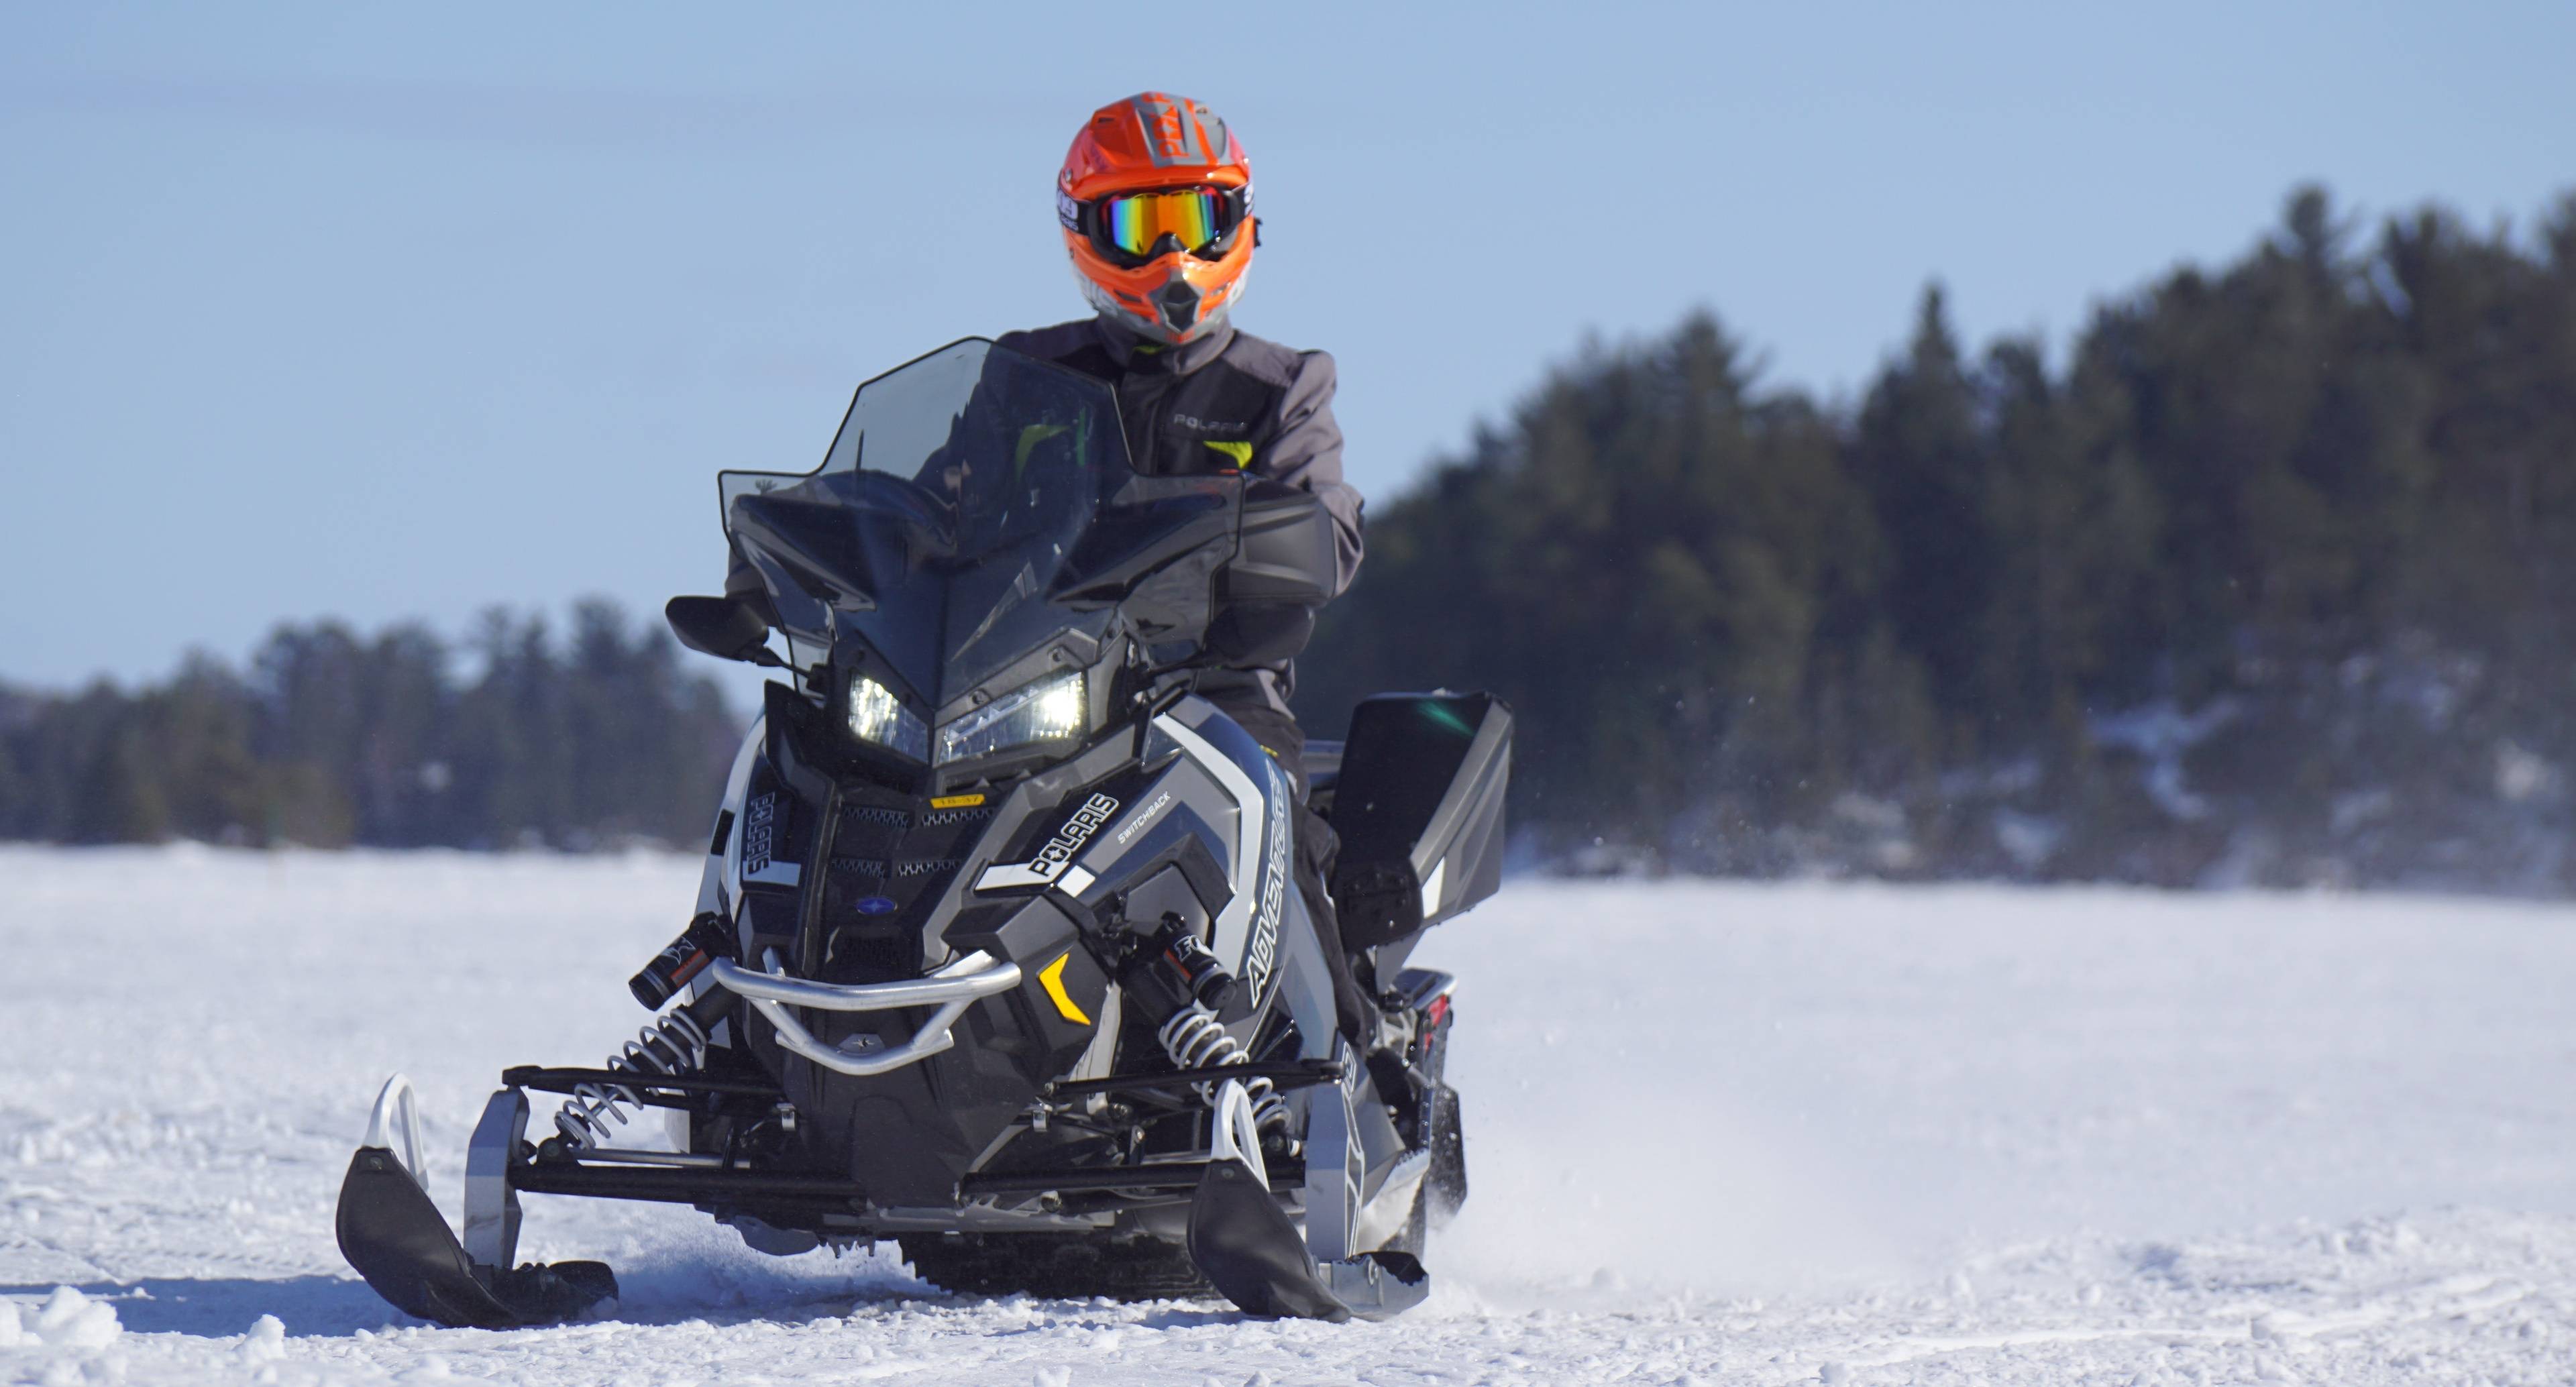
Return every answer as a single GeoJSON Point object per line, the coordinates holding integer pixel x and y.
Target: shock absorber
{"type": "Point", "coordinates": [672, 1046]}
{"type": "Point", "coordinates": [1195, 1039]}
{"type": "Point", "coordinates": [1172, 968]}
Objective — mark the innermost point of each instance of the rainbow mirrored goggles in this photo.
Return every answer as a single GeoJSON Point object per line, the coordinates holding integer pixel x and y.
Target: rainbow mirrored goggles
{"type": "Point", "coordinates": [1130, 226]}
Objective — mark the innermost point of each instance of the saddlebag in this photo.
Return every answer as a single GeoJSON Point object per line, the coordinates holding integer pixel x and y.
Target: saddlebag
{"type": "Point", "coordinates": [1418, 805]}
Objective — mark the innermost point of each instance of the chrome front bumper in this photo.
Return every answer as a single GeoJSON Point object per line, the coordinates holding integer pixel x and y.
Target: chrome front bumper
{"type": "Point", "coordinates": [952, 989]}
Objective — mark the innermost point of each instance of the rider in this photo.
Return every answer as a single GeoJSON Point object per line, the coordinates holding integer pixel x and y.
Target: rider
{"type": "Point", "coordinates": [1155, 199]}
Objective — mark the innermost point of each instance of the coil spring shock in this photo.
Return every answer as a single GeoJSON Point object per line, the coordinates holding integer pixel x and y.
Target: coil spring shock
{"type": "Point", "coordinates": [1194, 1038]}
{"type": "Point", "coordinates": [672, 1046]}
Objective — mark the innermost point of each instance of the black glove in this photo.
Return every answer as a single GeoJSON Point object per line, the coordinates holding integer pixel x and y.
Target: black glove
{"type": "Point", "coordinates": [1251, 634]}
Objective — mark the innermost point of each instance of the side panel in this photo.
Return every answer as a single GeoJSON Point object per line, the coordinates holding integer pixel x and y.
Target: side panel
{"type": "Point", "coordinates": [720, 885]}
{"type": "Point", "coordinates": [1246, 936]}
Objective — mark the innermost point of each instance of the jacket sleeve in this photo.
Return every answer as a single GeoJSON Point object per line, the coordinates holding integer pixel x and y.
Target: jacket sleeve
{"type": "Point", "coordinates": [1307, 454]}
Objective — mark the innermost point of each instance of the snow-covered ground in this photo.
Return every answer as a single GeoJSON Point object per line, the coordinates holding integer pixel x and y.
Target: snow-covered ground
{"type": "Point", "coordinates": [1718, 1133]}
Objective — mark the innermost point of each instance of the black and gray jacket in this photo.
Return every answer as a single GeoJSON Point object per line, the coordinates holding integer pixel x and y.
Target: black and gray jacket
{"type": "Point", "coordinates": [1227, 402]}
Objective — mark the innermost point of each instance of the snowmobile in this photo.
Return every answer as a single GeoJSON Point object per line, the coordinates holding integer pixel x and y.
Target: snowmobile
{"type": "Point", "coordinates": [999, 951]}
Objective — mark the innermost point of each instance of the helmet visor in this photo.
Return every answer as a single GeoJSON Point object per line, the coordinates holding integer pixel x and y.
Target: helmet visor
{"type": "Point", "coordinates": [1132, 224]}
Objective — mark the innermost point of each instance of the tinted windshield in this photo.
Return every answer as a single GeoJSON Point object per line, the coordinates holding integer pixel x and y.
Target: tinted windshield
{"type": "Point", "coordinates": [958, 499]}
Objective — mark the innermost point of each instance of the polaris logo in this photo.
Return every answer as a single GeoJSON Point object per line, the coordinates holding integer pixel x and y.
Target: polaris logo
{"type": "Point", "coordinates": [760, 830]}
{"type": "Point", "coordinates": [764, 820]}
{"type": "Point", "coordinates": [1209, 425]}
{"type": "Point", "coordinates": [1058, 852]}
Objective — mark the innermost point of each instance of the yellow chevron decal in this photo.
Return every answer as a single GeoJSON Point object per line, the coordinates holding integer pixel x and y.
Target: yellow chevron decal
{"type": "Point", "coordinates": [1240, 452]}
{"type": "Point", "coordinates": [1053, 976]}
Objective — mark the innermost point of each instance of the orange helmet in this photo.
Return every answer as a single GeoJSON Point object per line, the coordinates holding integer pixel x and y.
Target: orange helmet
{"type": "Point", "coordinates": [1156, 201]}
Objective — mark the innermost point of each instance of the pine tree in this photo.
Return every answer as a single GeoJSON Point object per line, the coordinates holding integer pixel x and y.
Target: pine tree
{"type": "Point", "coordinates": [1919, 453]}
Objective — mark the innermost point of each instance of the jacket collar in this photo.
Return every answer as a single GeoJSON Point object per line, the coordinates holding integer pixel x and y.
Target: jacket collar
{"type": "Point", "coordinates": [1139, 356]}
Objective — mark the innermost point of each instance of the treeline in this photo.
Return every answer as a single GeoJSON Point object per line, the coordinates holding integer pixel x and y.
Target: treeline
{"type": "Point", "coordinates": [2273, 579]}
{"type": "Point", "coordinates": [591, 739]}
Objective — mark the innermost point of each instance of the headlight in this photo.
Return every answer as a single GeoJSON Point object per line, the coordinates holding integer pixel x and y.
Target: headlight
{"type": "Point", "coordinates": [1038, 712]}
{"type": "Point", "coordinates": [877, 716]}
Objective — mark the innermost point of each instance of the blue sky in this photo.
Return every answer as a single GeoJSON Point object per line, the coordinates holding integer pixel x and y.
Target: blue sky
{"type": "Point", "coordinates": [316, 310]}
